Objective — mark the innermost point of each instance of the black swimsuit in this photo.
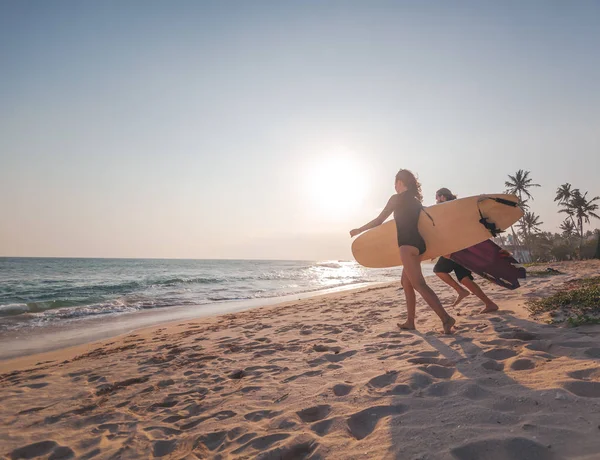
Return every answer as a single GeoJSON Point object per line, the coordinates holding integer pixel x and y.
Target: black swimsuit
{"type": "Point", "coordinates": [406, 215]}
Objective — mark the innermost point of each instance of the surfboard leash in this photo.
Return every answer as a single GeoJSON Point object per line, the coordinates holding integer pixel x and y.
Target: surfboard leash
{"type": "Point", "coordinates": [493, 229]}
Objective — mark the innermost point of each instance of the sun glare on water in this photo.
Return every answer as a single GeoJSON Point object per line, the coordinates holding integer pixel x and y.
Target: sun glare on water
{"type": "Point", "coordinates": [337, 184]}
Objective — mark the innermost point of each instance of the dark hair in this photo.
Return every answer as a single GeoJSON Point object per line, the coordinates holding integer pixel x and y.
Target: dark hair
{"type": "Point", "coordinates": [410, 181]}
{"type": "Point", "coordinates": [445, 192]}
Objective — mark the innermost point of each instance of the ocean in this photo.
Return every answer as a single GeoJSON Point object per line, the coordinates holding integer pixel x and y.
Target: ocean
{"type": "Point", "coordinates": [37, 292]}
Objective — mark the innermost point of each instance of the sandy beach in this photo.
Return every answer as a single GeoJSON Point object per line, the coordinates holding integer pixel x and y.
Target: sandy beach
{"type": "Point", "coordinates": [326, 377]}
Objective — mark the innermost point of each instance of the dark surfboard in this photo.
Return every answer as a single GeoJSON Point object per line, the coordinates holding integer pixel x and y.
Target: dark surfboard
{"type": "Point", "coordinates": [491, 262]}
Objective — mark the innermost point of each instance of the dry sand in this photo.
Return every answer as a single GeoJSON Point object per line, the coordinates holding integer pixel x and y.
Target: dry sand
{"type": "Point", "coordinates": [327, 377]}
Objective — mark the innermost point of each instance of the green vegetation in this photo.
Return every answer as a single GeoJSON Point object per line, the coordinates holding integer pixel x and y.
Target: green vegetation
{"type": "Point", "coordinates": [577, 303]}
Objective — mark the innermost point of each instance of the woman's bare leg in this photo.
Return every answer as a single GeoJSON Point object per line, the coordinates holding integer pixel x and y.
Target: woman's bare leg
{"type": "Point", "coordinates": [412, 268]}
{"type": "Point", "coordinates": [411, 303]}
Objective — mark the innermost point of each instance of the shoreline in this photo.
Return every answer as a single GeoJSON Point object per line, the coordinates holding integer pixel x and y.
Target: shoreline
{"type": "Point", "coordinates": [15, 344]}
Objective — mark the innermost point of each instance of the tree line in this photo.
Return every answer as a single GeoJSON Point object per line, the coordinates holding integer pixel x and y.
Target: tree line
{"type": "Point", "coordinates": [573, 241]}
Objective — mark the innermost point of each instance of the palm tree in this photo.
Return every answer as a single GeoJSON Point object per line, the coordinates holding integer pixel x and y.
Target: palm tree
{"type": "Point", "coordinates": [581, 208]}
{"type": "Point", "coordinates": [519, 185]}
{"type": "Point", "coordinates": [563, 193]}
{"type": "Point", "coordinates": [530, 223]}
{"type": "Point", "coordinates": [568, 228]}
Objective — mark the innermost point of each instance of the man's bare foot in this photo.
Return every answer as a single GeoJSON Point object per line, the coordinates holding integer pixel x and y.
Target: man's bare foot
{"type": "Point", "coordinates": [461, 295]}
{"type": "Point", "coordinates": [407, 325]}
{"type": "Point", "coordinates": [448, 324]}
{"type": "Point", "coordinates": [489, 308]}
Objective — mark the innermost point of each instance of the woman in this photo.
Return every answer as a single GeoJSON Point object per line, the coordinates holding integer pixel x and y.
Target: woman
{"type": "Point", "coordinates": [406, 206]}
{"type": "Point", "coordinates": [445, 266]}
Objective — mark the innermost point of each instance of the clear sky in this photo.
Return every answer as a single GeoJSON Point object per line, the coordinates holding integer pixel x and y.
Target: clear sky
{"type": "Point", "coordinates": [269, 129]}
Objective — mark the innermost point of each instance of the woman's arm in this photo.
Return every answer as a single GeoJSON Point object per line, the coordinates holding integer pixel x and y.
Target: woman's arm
{"type": "Point", "coordinates": [380, 219]}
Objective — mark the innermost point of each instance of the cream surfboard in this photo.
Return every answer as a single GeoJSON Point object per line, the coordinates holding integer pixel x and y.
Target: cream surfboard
{"type": "Point", "coordinates": [446, 228]}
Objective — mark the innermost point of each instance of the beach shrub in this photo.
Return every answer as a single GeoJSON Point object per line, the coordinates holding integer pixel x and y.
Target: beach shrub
{"type": "Point", "coordinates": [577, 303]}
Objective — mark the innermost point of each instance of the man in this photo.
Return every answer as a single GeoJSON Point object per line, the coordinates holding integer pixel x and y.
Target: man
{"type": "Point", "coordinates": [445, 266]}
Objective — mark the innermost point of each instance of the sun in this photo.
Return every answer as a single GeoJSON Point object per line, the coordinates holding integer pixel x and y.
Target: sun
{"type": "Point", "coordinates": [337, 184]}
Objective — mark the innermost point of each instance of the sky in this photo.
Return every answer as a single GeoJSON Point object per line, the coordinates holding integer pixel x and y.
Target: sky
{"type": "Point", "coordinates": [269, 129]}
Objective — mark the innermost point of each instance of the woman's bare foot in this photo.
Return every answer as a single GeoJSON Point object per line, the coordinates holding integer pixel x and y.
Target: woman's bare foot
{"type": "Point", "coordinates": [489, 308]}
{"type": "Point", "coordinates": [448, 324]}
{"type": "Point", "coordinates": [408, 325]}
{"type": "Point", "coordinates": [461, 295]}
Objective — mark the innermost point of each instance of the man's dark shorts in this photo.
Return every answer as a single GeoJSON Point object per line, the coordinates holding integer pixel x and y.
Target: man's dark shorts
{"type": "Point", "coordinates": [444, 265]}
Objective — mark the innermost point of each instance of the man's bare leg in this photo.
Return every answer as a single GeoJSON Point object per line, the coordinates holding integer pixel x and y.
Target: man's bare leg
{"type": "Point", "coordinates": [490, 306]}
{"type": "Point", "coordinates": [461, 291]}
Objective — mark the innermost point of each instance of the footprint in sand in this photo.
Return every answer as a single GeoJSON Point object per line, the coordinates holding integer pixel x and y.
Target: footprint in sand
{"type": "Point", "coordinates": [300, 447]}
{"type": "Point", "coordinates": [500, 354]}
{"type": "Point", "coordinates": [419, 380]}
{"type": "Point", "coordinates": [87, 443]}
{"type": "Point", "coordinates": [36, 386]}
{"type": "Point", "coordinates": [583, 388]}
{"type": "Point", "coordinates": [341, 389]}
{"type": "Point", "coordinates": [41, 376]}
{"type": "Point", "coordinates": [439, 372]}
{"type": "Point", "coordinates": [286, 424]}
{"type": "Point", "coordinates": [164, 447]}
{"type": "Point", "coordinates": [441, 389]}
{"type": "Point", "coordinates": [363, 423]}
{"type": "Point", "coordinates": [249, 389]}
{"type": "Point", "coordinates": [513, 448]}
{"type": "Point", "coordinates": [586, 374]}
{"type": "Point", "coordinates": [399, 390]}
{"type": "Point", "coordinates": [235, 432]}
{"type": "Point", "coordinates": [522, 364]}
{"type": "Point", "coordinates": [492, 365]}
{"type": "Point", "coordinates": [213, 440]}
{"type": "Point", "coordinates": [474, 391]}
{"type": "Point", "coordinates": [38, 449]}
{"type": "Point", "coordinates": [262, 442]}
{"type": "Point", "coordinates": [259, 415]}
{"type": "Point", "coordinates": [383, 380]}
{"type": "Point", "coordinates": [165, 404]}
{"type": "Point", "coordinates": [313, 414]}
{"type": "Point", "coordinates": [323, 427]}
{"type": "Point", "coordinates": [320, 348]}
